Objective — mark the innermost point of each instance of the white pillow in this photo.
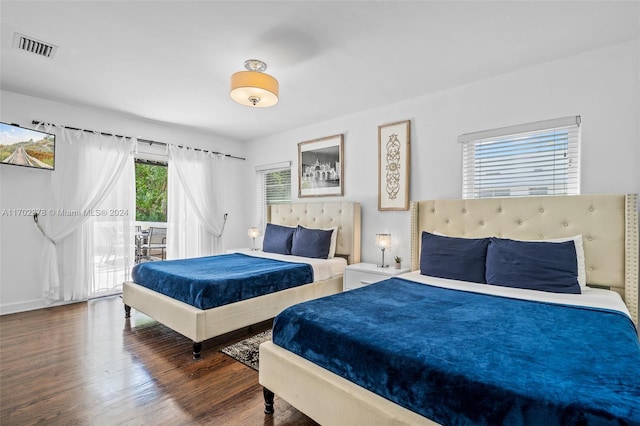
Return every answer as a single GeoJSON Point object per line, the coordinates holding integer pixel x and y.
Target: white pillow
{"type": "Point", "coordinates": [334, 239]}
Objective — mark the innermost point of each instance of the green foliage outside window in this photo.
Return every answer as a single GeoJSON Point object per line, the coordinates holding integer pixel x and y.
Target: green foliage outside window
{"type": "Point", "coordinates": [151, 193]}
{"type": "Point", "coordinates": [277, 186]}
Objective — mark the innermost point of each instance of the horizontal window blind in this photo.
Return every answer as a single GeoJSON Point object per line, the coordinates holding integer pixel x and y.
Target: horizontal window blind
{"type": "Point", "coordinates": [533, 159]}
{"type": "Point", "coordinates": [273, 186]}
{"type": "Point", "coordinates": [277, 187]}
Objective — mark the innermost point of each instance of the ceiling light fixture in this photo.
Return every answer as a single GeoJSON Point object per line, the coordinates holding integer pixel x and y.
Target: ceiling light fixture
{"type": "Point", "coordinates": [254, 87]}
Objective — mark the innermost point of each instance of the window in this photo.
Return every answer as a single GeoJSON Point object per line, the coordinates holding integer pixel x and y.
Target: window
{"type": "Point", "coordinates": [539, 158]}
{"type": "Point", "coordinates": [273, 186]}
{"type": "Point", "coordinates": [151, 191]}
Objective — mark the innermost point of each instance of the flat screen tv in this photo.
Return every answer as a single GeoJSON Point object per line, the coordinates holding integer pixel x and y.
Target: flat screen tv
{"type": "Point", "coordinates": [26, 147]}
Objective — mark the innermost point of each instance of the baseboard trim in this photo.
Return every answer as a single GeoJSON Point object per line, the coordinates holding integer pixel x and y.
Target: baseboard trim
{"type": "Point", "coordinates": [30, 305]}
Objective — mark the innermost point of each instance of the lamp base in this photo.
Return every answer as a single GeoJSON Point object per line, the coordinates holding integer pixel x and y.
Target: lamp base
{"type": "Point", "coordinates": [382, 266]}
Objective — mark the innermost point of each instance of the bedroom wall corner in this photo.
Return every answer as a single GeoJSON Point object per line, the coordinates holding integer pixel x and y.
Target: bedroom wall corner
{"type": "Point", "coordinates": [21, 244]}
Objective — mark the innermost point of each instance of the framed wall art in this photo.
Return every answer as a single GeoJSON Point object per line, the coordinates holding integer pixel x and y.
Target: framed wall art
{"type": "Point", "coordinates": [394, 155]}
{"type": "Point", "coordinates": [320, 171]}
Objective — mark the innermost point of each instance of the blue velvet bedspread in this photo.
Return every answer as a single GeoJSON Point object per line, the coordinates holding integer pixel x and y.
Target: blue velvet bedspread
{"type": "Point", "coordinates": [208, 282]}
{"type": "Point", "coordinates": [461, 358]}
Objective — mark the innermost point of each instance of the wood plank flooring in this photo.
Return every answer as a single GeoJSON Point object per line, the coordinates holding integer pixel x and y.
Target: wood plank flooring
{"type": "Point", "coordinates": [84, 364]}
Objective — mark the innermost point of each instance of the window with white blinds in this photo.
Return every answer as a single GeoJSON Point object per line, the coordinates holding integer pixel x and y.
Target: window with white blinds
{"type": "Point", "coordinates": [539, 158]}
{"type": "Point", "coordinates": [273, 186]}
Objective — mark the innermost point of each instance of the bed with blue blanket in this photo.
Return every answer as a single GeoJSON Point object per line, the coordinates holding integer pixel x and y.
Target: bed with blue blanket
{"type": "Point", "coordinates": [506, 319]}
{"type": "Point", "coordinates": [306, 247]}
{"type": "Point", "coordinates": [212, 281]}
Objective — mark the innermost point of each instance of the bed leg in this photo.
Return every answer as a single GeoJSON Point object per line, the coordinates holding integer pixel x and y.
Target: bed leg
{"type": "Point", "coordinates": [197, 348]}
{"type": "Point", "coordinates": [127, 311]}
{"type": "Point", "coordinates": [268, 400]}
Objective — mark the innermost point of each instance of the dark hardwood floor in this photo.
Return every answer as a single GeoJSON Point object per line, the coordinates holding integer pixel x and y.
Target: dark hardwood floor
{"type": "Point", "coordinates": [84, 364]}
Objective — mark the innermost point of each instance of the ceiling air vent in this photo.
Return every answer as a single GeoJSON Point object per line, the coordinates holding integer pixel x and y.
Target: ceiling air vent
{"type": "Point", "coordinates": [31, 45]}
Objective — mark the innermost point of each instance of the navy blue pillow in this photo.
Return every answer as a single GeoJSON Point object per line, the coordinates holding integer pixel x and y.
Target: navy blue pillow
{"type": "Point", "coordinates": [533, 265]}
{"type": "Point", "coordinates": [278, 239]}
{"type": "Point", "coordinates": [454, 258]}
{"type": "Point", "coordinates": [311, 242]}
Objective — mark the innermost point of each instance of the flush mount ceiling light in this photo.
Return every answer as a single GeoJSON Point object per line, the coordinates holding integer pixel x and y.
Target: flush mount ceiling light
{"type": "Point", "coordinates": [254, 87]}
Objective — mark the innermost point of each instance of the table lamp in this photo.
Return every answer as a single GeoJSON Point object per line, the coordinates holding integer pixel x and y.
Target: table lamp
{"type": "Point", "coordinates": [253, 232]}
{"type": "Point", "coordinates": [383, 242]}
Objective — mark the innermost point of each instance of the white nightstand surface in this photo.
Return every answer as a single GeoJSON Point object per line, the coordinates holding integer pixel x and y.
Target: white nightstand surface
{"type": "Point", "coordinates": [362, 274]}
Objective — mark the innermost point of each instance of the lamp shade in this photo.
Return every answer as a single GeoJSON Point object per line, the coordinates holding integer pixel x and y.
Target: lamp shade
{"type": "Point", "coordinates": [254, 88]}
{"type": "Point", "coordinates": [383, 241]}
{"type": "Point", "coordinates": [253, 232]}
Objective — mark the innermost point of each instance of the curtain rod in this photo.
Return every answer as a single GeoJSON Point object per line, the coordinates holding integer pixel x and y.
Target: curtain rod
{"type": "Point", "coordinates": [149, 141]}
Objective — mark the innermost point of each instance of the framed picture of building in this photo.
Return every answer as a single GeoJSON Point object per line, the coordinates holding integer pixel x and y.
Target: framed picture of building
{"type": "Point", "coordinates": [394, 155]}
{"type": "Point", "coordinates": [320, 172]}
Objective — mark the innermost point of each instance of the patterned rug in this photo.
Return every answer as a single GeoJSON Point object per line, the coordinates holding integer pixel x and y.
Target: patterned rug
{"type": "Point", "coordinates": [246, 351]}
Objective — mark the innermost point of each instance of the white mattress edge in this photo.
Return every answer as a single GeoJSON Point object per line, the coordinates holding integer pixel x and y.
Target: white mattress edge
{"type": "Point", "coordinates": [323, 269]}
{"type": "Point", "coordinates": [590, 297]}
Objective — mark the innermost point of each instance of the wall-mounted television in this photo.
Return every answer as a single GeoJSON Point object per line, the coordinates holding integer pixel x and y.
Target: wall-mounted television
{"type": "Point", "coordinates": [26, 147]}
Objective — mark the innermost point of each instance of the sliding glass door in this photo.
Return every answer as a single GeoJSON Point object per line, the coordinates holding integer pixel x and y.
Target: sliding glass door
{"type": "Point", "coordinates": [111, 233]}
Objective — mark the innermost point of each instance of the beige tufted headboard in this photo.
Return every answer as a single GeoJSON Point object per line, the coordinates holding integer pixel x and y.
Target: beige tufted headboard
{"type": "Point", "coordinates": [344, 215]}
{"type": "Point", "coordinates": [608, 225]}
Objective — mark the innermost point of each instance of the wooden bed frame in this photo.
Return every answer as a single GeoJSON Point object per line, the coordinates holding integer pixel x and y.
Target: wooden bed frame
{"type": "Point", "coordinates": [199, 325]}
{"type": "Point", "coordinates": [608, 224]}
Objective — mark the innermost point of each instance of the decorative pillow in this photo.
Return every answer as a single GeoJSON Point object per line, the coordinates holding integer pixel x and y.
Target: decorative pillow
{"type": "Point", "coordinates": [309, 242]}
{"type": "Point", "coordinates": [577, 240]}
{"type": "Point", "coordinates": [334, 241]}
{"type": "Point", "coordinates": [533, 265]}
{"type": "Point", "coordinates": [454, 258]}
{"type": "Point", "coordinates": [582, 270]}
{"type": "Point", "coordinates": [278, 239]}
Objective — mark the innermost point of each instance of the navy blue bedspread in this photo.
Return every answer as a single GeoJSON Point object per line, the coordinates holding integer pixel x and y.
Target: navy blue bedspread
{"type": "Point", "coordinates": [461, 358]}
{"type": "Point", "coordinates": [208, 282]}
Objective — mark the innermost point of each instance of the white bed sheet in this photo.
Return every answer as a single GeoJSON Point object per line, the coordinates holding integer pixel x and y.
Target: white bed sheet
{"type": "Point", "coordinates": [323, 269]}
{"type": "Point", "coordinates": [591, 297]}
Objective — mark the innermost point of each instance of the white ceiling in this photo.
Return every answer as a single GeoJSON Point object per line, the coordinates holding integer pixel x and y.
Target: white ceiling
{"type": "Point", "coordinates": [171, 60]}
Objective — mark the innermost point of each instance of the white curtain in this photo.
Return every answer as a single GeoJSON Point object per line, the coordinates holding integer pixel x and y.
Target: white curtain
{"type": "Point", "coordinates": [195, 216]}
{"type": "Point", "coordinates": [114, 235]}
{"type": "Point", "coordinates": [88, 167]}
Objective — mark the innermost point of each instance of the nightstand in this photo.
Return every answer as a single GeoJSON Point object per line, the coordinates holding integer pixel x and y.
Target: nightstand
{"type": "Point", "coordinates": [362, 274]}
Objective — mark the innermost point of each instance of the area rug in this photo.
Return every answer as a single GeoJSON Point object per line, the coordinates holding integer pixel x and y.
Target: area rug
{"type": "Point", "coordinates": [246, 351]}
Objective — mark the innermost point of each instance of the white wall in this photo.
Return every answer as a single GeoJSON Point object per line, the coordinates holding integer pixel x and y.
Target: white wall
{"type": "Point", "coordinates": [602, 86]}
{"type": "Point", "coordinates": [21, 243]}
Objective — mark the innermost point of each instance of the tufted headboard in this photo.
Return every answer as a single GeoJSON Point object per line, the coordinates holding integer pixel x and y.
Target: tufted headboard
{"type": "Point", "coordinates": [608, 225]}
{"type": "Point", "coordinates": [344, 215]}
